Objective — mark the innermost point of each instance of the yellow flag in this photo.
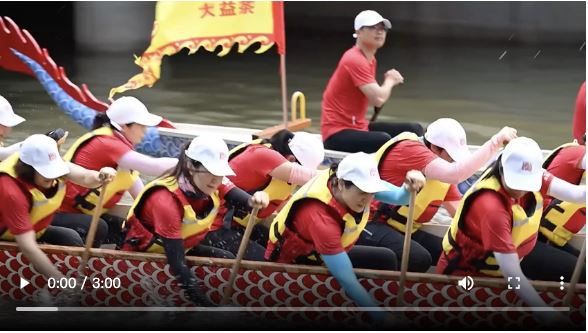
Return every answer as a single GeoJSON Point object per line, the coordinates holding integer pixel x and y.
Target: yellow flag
{"type": "Point", "coordinates": [194, 25]}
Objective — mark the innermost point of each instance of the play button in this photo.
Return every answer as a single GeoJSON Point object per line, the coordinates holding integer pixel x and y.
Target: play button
{"type": "Point", "coordinates": [23, 283]}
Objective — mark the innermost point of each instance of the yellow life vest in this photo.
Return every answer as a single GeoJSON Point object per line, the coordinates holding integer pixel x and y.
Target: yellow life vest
{"type": "Point", "coordinates": [124, 179]}
{"type": "Point", "coordinates": [524, 225]}
{"type": "Point", "coordinates": [557, 224]}
{"type": "Point", "coordinates": [317, 189]}
{"type": "Point", "coordinates": [42, 207]}
{"type": "Point", "coordinates": [191, 224]}
{"type": "Point", "coordinates": [433, 192]}
{"type": "Point", "coordinates": [276, 189]}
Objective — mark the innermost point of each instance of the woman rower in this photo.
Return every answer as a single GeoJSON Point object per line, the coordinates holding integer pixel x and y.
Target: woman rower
{"type": "Point", "coordinates": [32, 187]}
{"type": "Point", "coordinates": [443, 157]}
{"type": "Point", "coordinates": [325, 217]}
{"type": "Point", "coordinates": [275, 166]}
{"type": "Point", "coordinates": [561, 219]}
{"type": "Point", "coordinates": [110, 144]}
{"type": "Point", "coordinates": [173, 213]}
{"type": "Point", "coordinates": [8, 119]}
{"type": "Point", "coordinates": [497, 222]}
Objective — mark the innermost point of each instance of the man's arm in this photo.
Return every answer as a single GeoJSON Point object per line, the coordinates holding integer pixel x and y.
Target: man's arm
{"type": "Point", "coordinates": [378, 95]}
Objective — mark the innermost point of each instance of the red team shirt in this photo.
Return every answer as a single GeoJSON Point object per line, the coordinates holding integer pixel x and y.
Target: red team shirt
{"type": "Point", "coordinates": [165, 213]}
{"type": "Point", "coordinates": [252, 168]}
{"type": "Point", "coordinates": [344, 105]}
{"type": "Point", "coordinates": [321, 225]}
{"type": "Point", "coordinates": [99, 152]}
{"type": "Point", "coordinates": [15, 207]}
{"type": "Point", "coordinates": [411, 155]}
{"type": "Point", "coordinates": [492, 232]}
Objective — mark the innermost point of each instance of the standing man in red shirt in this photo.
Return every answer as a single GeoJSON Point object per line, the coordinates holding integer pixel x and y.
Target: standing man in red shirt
{"type": "Point", "coordinates": [353, 87]}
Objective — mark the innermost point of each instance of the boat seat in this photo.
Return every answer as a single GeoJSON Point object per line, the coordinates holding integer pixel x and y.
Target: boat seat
{"type": "Point", "coordinates": [295, 125]}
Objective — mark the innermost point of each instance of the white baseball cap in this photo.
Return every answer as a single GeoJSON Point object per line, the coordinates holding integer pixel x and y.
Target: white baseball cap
{"type": "Point", "coordinates": [368, 18]}
{"type": "Point", "coordinates": [308, 149]}
{"type": "Point", "coordinates": [521, 164]}
{"type": "Point", "coordinates": [126, 110]}
{"type": "Point", "coordinates": [212, 152]}
{"type": "Point", "coordinates": [7, 116]}
{"type": "Point", "coordinates": [448, 134]}
{"type": "Point", "coordinates": [40, 152]}
{"type": "Point", "coordinates": [361, 169]}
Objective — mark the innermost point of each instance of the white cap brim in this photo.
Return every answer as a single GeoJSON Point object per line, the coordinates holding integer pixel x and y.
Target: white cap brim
{"type": "Point", "coordinates": [371, 186]}
{"type": "Point", "coordinates": [149, 120]}
{"type": "Point", "coordinates": [12, 120]}
{"type": "Point", "coordinates": [459, 153]}
{"type": "Point", "coordinates": [218, 168]}
{"type": "Point", "coordinates": [516, 181]}
{"type": "Point", "coordinates": [54, 170]}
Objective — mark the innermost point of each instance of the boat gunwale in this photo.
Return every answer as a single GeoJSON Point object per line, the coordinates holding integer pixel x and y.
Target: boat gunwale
{"type": "Point", "coordinates": [287, 268]}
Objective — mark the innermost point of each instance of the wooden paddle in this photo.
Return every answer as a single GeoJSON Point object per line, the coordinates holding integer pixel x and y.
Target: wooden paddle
{"type": "Point", "coordinates": [92, 232]}
{"type": "Point", "coordinates": [575, 276]}
{"type": "Point", "coordinates": [406, 250]}
{"type": "Point", "coordinates": [235, 269]}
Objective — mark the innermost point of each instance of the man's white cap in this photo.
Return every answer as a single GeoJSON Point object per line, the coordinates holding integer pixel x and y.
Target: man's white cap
{"type": "Point", "coordinates": [308, 149]}
{"type": "Point", "coordinates": [448, 134]}
{"type": "Point", "coordinates": [7, 116]}
{"type": "Point", "coordinates": [521, 165]}
{"type": "Point", "coordinates": [126, 110]}
{"type": "Point", "coordinates": [212, 152]}
{"type": "Point", "coordinates": [40, 152]}
{"type": "Point", "coordinates": [368, 18]}
{"type": "Point", "coordinates": [361, 169]}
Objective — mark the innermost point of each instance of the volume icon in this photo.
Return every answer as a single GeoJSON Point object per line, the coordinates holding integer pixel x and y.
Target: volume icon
{"type": "Point", "coordinates": [467, 283]}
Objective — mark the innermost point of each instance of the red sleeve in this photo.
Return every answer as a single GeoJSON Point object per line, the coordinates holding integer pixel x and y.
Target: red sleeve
{"type": "Point", "coordinates": [495, 228]}
{"type": "Point", "coordinates": [453, 194]}
{"type": "Point", "coordinates": [547, 179]}
{"type": "Point", "coordinates": [565, 164]}
{"type": "Point", "coordinates": [313, 222]}
{"type": "Point", "coordinates": [359, 69]}
{"type": "Point", "coordinates": [162, 211]}
{"type": "Point", "coordinates": [579, 122]}
{"type": "Point", "coordinates": [405, 156]}
{"type": "Point", "coordinates": [14, 210]}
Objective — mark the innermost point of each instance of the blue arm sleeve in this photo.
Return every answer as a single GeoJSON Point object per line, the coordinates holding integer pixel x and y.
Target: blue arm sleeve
{"type": "Point", "coordinates": [340, 266]}
{"type": "Point", "coordinates": [395, 195]}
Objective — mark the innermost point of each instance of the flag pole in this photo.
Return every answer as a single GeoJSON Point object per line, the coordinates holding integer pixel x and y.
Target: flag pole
{"type": "Point", "coordinates": [284, 89]}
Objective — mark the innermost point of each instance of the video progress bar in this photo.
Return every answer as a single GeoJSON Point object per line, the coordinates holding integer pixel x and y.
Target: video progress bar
{"type": "Point", "coordinates": [281, 309]}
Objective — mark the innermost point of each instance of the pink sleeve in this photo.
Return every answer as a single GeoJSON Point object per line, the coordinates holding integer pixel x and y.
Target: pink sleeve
{"type": "Point", "coordinates": [457, 172]}
{"type": "Point", "coordinates": [358, 69]}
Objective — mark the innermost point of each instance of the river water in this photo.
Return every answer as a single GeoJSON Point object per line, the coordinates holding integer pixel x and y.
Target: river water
{"type": "Point", "coordinates": [484, 86]}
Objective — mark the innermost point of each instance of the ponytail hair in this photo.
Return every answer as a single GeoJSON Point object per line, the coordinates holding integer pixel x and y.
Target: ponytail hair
{"type": "Point", "coordinates": [279, 142]}
{"type": "Point", "coordinates": [333, 176]}
{"type": "Point", "coordinates": [495, 169]}
{"type": "Point", "coordinates": [101, 120]}
{"type": "Point", "coordinates": [182, 167]}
